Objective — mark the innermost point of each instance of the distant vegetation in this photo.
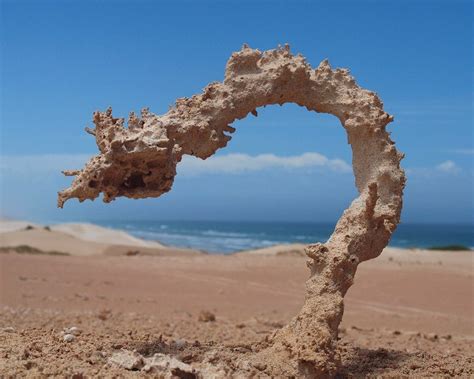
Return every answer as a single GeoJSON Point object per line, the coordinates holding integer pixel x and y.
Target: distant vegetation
{"type": "Point", "coordinates": [26, 249]}
{"type": "Point", "coordinates": [450, 247]}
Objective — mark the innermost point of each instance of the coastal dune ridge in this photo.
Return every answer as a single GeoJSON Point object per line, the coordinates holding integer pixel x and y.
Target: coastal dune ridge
{"type": "Point", "coordinates": [80, 239]}
{"type": "Point", "coordinates": [76, 238]}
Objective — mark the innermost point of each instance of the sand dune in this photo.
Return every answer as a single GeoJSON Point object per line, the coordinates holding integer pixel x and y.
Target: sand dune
{"type": "Point", "coordinates": [459, 261]}
{"type": "Point", "coordinates": [282, 249]}
{"type": "Point", "coordinates": [47, 241]}
{"type": "Point", "coordinates": [81, 240]}
{"type": "Point", "coordinates": [96, 233]}
{"type": "Point", "coordinates": [83, 231]}
{"type": "Point", "coordinates": [13, 226]}
{"type": "Point", "coordinates": [91, 239]}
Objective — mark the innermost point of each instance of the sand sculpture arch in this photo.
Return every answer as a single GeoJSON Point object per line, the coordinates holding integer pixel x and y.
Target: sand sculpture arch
{"type": "Point", "coordinates": [140, 161]}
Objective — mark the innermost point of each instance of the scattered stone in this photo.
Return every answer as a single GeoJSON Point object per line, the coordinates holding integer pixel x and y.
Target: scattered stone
{"type": "Point", "coordinates": [25, 354]}
{"type": "Point", "coordinates": [211, 356]}
{"type": "Point", "coordinates": [69, 337]}
{"type": "Point", "coordinates": [206, 316]}
{"type": "Point", "coordinates": [213, 371]}
{"type": "Point", "coordinates": [126, 359]}
{"type": "Point", "coordinates": [431, 336]}
{"type": "Point", "coordinates": [74, 330]}
{"type": "Point", "coordinates": [260, 366]}
{"type": "Point", "coordinates": [180, 343]}
{"type": "Point", "coordinates": [168, 367]}
{"type": "Point", "coordinates": [245, 365]}
{"type": "Point", "coordinates": [29, 365]}
{"type": "Point", "coordinates": [104, 314]}
{"type": "Point", "coordinates": [95, 357]}
{"type": "Point", "coordinates": [163, 365]}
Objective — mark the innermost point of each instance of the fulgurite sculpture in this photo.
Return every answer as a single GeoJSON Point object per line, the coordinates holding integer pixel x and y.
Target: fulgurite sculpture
{"type": "Point", "coordinates": [140, 161]}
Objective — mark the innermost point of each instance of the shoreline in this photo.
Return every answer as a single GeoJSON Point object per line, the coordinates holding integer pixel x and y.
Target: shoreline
{"type": "Point", "coordinates": [103, 240]}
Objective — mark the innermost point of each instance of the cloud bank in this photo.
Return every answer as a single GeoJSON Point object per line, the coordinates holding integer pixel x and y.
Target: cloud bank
{"type": "Point", "coordinates": [448, 167]}
{"type": "Point", "coordinates": [443, 169]}
{"type": "Point", "coordinates": [241, 163]}
{"type": "Point", "coordinates": [190, 166]}
{"type": "Point", "coordinates": [40, 164]}
{"type": "Point", "coordinates": [463, 151]}
{"type": "Point", "coordinates": [229, 164]}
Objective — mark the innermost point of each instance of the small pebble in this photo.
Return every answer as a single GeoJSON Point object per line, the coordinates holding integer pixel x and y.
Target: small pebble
{"type": "Point", "coordinates": [206, 316]}
{"type": "Point", "coordinates": [431, 336]}
{"type": "Point", "coordinates": [73, 330]}
{"type": "Point", "coordinates": [29, 365]}
{"type": "Point", "coordinates": [260, 366]}
{"type": "Point", "coordinates": [127, 359]}
{"type": "Point", "coordinates": [180, 343]}
{"type": "Point", "coordinates": [69, 337]}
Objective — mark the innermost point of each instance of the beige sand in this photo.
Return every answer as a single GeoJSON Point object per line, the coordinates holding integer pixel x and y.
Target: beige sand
{"type": "Point", "coordinates": [408, 313]}
{"type": "Point", "coordinates": [95, 233]}
{"type": "Point", "coordinates": [81, 239]}
{"type": "Point", "coordinates": [13, 225]}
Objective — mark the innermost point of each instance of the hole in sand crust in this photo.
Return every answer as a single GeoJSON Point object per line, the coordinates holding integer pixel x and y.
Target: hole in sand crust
{"type": "Point", "coordinates": [135, 180]}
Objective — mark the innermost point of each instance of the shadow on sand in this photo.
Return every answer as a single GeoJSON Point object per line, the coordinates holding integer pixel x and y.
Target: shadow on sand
{"type": "Point", "coordinates": [361, 362]}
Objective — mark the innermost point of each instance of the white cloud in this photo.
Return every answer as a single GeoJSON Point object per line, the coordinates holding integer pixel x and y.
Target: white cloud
{"type": "Point", "coordinates": [236, 163]}
{"type": "Point", "coordinates": [53, 164]}
{"type": "Point", "coordinates": [448, 167]}
{"type": "Point", "coordinates": [240, 163]}
{"type": "Point", "coordinates": [463, 151]}
{"type": "Point", "coordinates": [42, 163]}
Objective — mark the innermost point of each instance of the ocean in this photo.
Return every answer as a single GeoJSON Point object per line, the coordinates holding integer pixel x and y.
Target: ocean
{"type": "Point", "coordinates": [226, 237]}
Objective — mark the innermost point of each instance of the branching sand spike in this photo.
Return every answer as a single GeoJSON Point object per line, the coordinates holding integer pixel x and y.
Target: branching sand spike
{"type": "Point", "coordinates": [140, 161]}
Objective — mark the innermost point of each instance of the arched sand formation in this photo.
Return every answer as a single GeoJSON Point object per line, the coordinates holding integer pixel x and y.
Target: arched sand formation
{"type": "Point", "coordinates": [140, 161]}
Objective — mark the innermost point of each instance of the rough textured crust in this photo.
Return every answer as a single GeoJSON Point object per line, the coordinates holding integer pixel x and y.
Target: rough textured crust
{"type": "Point", "coordinates": [140, 161]}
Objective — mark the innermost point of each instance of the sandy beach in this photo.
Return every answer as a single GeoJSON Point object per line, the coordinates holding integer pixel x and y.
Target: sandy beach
{"type": "Point", "coordinates": [409, 312]}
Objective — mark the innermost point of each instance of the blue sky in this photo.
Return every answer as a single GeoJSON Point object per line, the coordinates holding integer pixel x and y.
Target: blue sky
{"type": "Point", "coordinates": [62, 60]}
